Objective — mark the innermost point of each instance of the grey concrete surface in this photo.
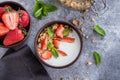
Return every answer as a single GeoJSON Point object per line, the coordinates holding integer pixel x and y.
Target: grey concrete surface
{"type": "Point", "coordinates": [108, 47]}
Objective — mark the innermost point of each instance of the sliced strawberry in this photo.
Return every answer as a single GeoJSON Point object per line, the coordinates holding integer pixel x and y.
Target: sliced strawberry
{"type": "Point", "coordinates": [68, 39]}
{"type": "Point", "coordinates": [24, 18]}
{"type": "Point", "coordinates": [44, 43]}
{"type": "Point", "coordinates": [11, 19]}
{"type": "Point", "coordinates": [62, 53]}
{"type": "Point", "coordinates": [56, 43]}
{"type": "Point", "coordinates": [46, 55]}
{"type": "Point", "coordinates": [2, 10]}
{"type": "Point", "coordinates": [13, 37]}
{"type": "Point", "coordinates": [59, 31]}
{"type": "Point", "coordinates": [3, 30]}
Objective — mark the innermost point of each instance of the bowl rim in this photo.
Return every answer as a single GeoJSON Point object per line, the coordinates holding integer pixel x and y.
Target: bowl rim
{"type": "Point", "coordinates": [50, 23]}
{"type": "Point", "coordinates": [30, 27]}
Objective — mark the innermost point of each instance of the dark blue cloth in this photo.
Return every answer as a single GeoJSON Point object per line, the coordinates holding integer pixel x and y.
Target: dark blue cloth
{"type": "Point", "coordinates": [21, 65]}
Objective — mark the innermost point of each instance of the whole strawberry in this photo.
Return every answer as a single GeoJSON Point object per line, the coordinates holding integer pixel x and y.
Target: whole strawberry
{"type": "Point", "coordinates": [13, 37]}
{"type": "Point", "coordinates": [24, 18]}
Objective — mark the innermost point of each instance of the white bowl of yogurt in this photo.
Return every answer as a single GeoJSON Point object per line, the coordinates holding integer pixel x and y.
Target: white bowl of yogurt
{"type": "Point", "coordinates": [58, 44]}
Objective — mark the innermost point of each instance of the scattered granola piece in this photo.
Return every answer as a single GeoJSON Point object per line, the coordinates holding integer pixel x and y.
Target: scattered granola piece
{"type": "Point", "coordinates": [76, 78]}
{"type": "Point", "coordinates": [83, 35]}
{"type": "Point", "coordinates": [85, 10]}
{"type": "Point", "coordinates": [93, 20]}
{"type": "Point", "coordinates": [86, 36]}
{"type": "Point", "coordinates": [94, 41]}
{"type": "Point", "coordinates": [83, 17]}
{"type": "Point", "coordinates": [75, 22]}
{"type": "Point", "coordinates": [87, 72]}
{"type": "Point", "coordinates": [80, 23]}
{"type": "Point", "coordinates": [62, 79]}
{"type": "Point", "coordinates": [82, 29]}
{"type": "Point", "coordinates": [88, 63]}
{"type": "Point", "coordinates": [85, 79]}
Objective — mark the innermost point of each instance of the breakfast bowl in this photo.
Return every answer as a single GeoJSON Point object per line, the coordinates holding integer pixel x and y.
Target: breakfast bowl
{"type": "Point", "coordinates": [58, 44]}
{"type": "Point", "coordinates": [15, 24]}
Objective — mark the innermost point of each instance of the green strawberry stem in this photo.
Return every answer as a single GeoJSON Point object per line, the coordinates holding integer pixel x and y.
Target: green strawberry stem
{"type": "Point", "coordinates": [7, 9]}
{"type": "Point", "coordinates": [19, 12]}
{"type": "Point", "coordinates": [23, 30]}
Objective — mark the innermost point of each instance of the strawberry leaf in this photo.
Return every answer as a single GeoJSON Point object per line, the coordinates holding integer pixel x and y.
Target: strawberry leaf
{"type": "Point", "coordinates": [23, 30]}
{"type": "Point", "coordinates": [7, 9]}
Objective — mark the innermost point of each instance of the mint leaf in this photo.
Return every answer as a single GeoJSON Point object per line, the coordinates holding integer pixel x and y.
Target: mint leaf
{"type": "Point", "coordinates": [45, 12]}
{"type": "Point", "coordinates": [55, 52]}
{"type": "Point", "coordinates": [67, 31]}
{"type": "Point", "coordinates": [97, 57]}
{"type": "Point", "coordinates": [42, 9]}
{"type": "Point", "coordinates": [50, 31]}
{"type": "Point", "coordinates": [99, 30]}
{"type": "Point", "coordinates": [38, 13]}
{"type": "Point", "coordinates": [50, 8]}
{"type": "Point", "coordinates": [50, 45]}
{"type": "Point", "coordinates": [36, 6]}
{"type": "Point", "coordinates": [53, 49]}
{"type": "Point", "coordinates": [41, 3]}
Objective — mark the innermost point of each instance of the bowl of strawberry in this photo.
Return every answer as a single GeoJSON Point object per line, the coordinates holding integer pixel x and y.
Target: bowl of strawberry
{"type": "Point", "coordinates": [14, 24]}
{"type": "Point", "coordinates": [58, 44]}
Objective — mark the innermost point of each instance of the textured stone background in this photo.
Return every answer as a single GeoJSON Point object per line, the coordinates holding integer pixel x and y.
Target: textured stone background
{"type": "Point", "coordinates": [109, 47]}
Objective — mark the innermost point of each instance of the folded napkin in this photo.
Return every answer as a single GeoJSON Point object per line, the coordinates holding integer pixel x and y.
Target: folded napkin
{"type": "Point", "coordinates": [21, 65]}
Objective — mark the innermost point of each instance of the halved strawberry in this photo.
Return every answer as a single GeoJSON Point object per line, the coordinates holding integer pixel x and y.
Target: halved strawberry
{"type": "Point", "coordinates": [62, 53]}
{"type": "Point", "coordinates": [56, 43]}
{"type": "Point", "coordinates": [3, 29]}
{"type": "Point", "coordinates": [46, 55]}
{"type": "Point", "coordinates": [59, 31]}
{"type": "Point", "coordinates": [68, 39]}
{"type": "Point", "coordinates": [13, 37]}
{"type": "Point", "coordinates": [11, 19]}
{"type": "Point", "coordinates": [2, 10]}
{"type": "Point", "coordinates": [24, 18]}
{"type": "Point", "coordinates": [44, 43]}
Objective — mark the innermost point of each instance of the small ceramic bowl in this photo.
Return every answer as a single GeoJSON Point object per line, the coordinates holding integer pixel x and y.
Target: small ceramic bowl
{"type": "Point", "coordinates": [72, 49]}
{"type": "Point", "coordinates": [15, 6]}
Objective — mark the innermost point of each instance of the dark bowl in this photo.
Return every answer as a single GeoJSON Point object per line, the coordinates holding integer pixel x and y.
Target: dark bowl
{"type": "Point", "coordinates": [16, 6]}
{"type": "Point", "coordinates": [58, 22]}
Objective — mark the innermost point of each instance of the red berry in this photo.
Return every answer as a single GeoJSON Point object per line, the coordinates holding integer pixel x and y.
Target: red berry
{"type": "Point", "coordinates": [56, 43]}
{"type": "Point", "coordinates": [11, 19]}
{"type": "Point", "coordinates": [59, 31]}
{"type": "Point", "coordinates": [13, 37]}
{"type": "Point", "coordinates": [62, 53]}
{"type": "Point", "coordinates": [24, 18]}
{"type": "Point", "coordinates": [46, 55]}
{"type": "Point", "coordinates": [3, 29]}
{"type": "Point", "coordinates": [68, 39]}
{"type": "Point", "coordinates": [44, 43]}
